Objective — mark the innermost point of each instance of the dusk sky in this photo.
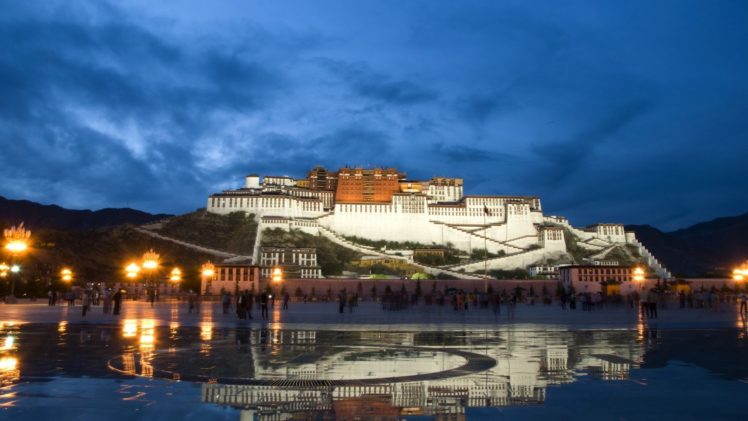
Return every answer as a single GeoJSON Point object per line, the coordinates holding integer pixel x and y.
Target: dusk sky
{"type": "Point", "coordinates": [610, 111]}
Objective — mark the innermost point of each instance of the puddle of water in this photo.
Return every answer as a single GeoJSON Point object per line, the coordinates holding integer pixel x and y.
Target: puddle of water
{"type": "Point", "coordinates": [140, 369]}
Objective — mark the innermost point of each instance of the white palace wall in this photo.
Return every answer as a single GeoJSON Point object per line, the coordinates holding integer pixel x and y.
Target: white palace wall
{"type": "Point", "coordinates": [513, 222]}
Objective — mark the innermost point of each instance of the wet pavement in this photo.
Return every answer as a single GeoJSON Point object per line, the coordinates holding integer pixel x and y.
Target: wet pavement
{"type": "Point", "coordinates": [312, 363]}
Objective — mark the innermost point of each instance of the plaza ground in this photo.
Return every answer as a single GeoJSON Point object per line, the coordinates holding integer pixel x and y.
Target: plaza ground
{"type": "Point", "coordinates": [371, 315]}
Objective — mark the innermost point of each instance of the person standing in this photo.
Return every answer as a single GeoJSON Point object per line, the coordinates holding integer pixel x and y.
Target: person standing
{"type": "Point", "coordinates": [241, 311]}
{"type": "Point", "coordinates": [743, 303]}
{"type": "Point", "coordinates": [107, 301]}
{"type": "Point", "coordinates": [264, 305]}
{"type": "Point", "coordinates": [117, 302]}
{"type": "Point", "coordinates": [286, 297]}
{"type": "Point", "coordinates": [86, 302]}
{"type": "Point", "coordinates": [226, 302]}
{"type": "Point", "coordinates": [563, 299]}
{"type": "Point", "coordinates": [341, 301]}
{"type": "Point", "coordinates": [248, 302]}
{"type": "Point", "coordinates": [652, 303]}
{"type": "Point", "coordinates": [190, 302]}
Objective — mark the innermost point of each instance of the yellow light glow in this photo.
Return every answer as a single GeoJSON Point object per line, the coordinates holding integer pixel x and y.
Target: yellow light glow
{"type": "Point", "coordinates": [132, 268]}
{"type": "Point", "coordinates": [150, 264]}
{"type": "Point", "coordinates": [740, 273]}
{"type": "Point", "coordinates": [4, 267]}
{"type": "Point", "coordinates": [17, 238]}
{"type": "Point", "coordinates": [150, 260]}
{"type": "Point", "coordinates": [129, 328]}
{"type": "Point", "coordinates": [132, 275]}
{"type": "Point", "coordinates": [277, 275]}
{"type": "Point", "coordinates": [3, 274]}
{"type": "Point", "coordinates": [206, 331]}
{"type": "Point", "coordinates": [208, 270]}
{"type": "Point", "coordinates": [175, 275]}
{"type": "Point", "coordinates": [62, 326]}
{"type": "Point", "coordinates": [639, 274]}
{"type": "Point", "coordinates": [8, 363]}
{"type": "Point", "coordinates": [15, 269]}
{"type": "Point", "coordinates": [16, 247]}
{"type": "Point", "coordinates": [8, 344]}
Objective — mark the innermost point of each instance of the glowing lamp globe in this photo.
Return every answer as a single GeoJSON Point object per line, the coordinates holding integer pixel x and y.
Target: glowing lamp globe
{"type": "Point", "coordinates": [208, 270]}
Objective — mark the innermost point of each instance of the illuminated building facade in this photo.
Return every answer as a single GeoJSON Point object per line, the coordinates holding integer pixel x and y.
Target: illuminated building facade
{"type": "Point", "coordinates": [382, 204]}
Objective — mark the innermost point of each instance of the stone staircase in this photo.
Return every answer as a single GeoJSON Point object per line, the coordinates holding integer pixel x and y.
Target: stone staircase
{"type": "Point", "coordinates": [489, 262]}
{"type": "Point", "coordinates": [340, 240]}
{"type": "Point", "coordinates": [659, 269]}
{"type": "Point", "coordinates": [207, 250]}
{"type": "Point", "coordinates": [484, 238]}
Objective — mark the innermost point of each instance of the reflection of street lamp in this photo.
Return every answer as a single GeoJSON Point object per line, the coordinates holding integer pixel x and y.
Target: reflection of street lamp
{"type": "Point", "coordinates": [16, 243]}
{"type": "Point", "coordinates": [4, 268]}
{"type": "Point", "coordinates": [207, 271]}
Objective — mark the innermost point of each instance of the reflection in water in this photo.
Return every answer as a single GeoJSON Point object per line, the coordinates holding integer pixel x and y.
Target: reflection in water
{"type": "Point", "coordinates": [206, 331]}
{"type": "Point", "coordinates": [129, 328]}
{"type": "Point", "coordinates": [381, 373]}
{"type": "Point", "coordinates": [9, 371]}
{"type": "Point", "coordinates": [281, 373]}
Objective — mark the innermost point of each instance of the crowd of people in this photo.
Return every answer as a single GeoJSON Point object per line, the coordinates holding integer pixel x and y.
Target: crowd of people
{"type": "Point", "coordinates": [647, 301]}
{"type": "Point", "coordinates": [110, 299]}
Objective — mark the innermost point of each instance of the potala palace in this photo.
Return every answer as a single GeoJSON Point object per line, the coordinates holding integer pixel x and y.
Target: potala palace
{"type": "Point", "coordinates": [382, 204]}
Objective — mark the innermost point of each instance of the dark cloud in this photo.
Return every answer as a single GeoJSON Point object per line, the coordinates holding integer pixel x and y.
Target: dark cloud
{"type": "Point", "coordinates": [376, 86]}
{"type": "Point", "coordinates": [633, 111]}
{"type": "Point", "coordinates": [564, 157]}
{"type": "Point", "coordinates": [72, 87]}
{"type": "Point", "coordinates": [466, 155]}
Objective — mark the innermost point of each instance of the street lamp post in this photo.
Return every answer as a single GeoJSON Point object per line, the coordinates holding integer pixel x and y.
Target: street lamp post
{"type": "Point", "coordinates": [16, 243]}
{"type": "Point", "coordinates": [66, 274]}
{"type": "Point", "coordinates": [740, 273]}
{"type": "Point", "coordinates": [207, 272]}
{"type": "Point", "coordinates": [150, 264]}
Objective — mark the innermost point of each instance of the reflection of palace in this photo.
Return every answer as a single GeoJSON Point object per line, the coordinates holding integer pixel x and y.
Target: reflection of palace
{"type": "Point", "coordinates": [526, 364]}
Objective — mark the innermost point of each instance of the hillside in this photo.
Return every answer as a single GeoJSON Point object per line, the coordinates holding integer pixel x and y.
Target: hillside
{"type": "Point", "coordinates": [710, 248]}
{"type": "Point", "coordinates": [96, 255]}
{"type": "Point", "coordinates": [233, 233]}
{"type": "Point", "coordinates": [331, 257]}
{"type": "Point", "coordinates": [36, 215]}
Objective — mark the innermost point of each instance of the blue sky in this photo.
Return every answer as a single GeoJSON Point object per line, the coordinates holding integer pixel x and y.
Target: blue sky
{"type": "Point", "coordinates": [631, 112]}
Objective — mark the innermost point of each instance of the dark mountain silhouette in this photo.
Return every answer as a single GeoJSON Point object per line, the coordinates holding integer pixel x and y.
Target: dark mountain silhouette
{"type": "Point", "coordinates": [36, 215]}
{"type": "Point", "coordinates": [706, 249]}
